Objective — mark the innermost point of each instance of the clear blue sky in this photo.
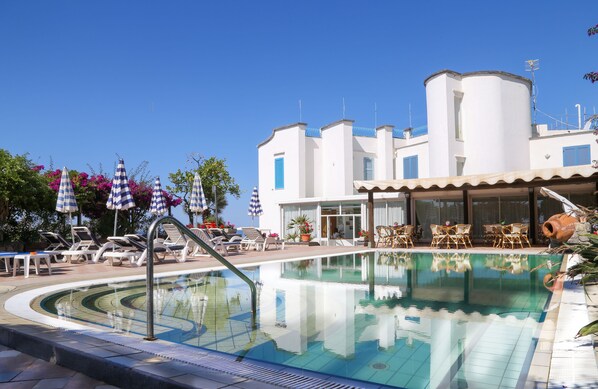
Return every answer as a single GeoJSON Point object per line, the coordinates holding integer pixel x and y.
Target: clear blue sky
{"type": "Point", "coordinates": [83, 81]}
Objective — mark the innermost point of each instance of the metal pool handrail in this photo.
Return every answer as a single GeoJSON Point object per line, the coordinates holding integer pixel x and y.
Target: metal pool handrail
{"type": "Point", "coordinates": [150, 270]}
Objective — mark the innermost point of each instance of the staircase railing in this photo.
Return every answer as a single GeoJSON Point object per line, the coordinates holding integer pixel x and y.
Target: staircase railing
{"type": "Point", "coordinates": [150, 270]}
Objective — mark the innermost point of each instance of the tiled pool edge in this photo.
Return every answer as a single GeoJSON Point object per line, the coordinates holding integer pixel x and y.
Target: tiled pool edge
{"type": "Point", "coordinates": [560, 360]}
{"type": "Point", "coordinates": [126, 362]}
{"type": "Point", "coordinates": [539, 370]}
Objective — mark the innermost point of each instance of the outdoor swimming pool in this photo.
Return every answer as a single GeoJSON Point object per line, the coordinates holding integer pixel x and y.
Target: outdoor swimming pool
{"type": "Point", "coordinates": [414, 320]}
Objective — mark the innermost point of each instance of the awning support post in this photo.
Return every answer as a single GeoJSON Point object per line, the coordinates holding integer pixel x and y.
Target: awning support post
{"type": "Point", "coordinates": [371, 242]}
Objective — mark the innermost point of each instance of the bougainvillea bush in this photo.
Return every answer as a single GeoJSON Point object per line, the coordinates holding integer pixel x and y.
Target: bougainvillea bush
{"type": "Point", "coordinates": [92, 192]}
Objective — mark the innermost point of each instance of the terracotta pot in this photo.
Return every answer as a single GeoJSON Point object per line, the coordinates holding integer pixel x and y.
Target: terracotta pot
{"type": "Point", "coordinates": [559, 227]}
{"type": "Point", "coordinates": [305, 237]}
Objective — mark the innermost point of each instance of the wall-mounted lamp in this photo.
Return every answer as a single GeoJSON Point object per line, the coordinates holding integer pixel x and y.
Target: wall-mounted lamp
{"type": "Point", "coordinates": [547, 156]}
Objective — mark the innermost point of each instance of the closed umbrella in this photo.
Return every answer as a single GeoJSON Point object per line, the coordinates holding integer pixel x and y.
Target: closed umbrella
{"type": "Point", "coordinates": [568, 206]}
{"type": "Point", "coordinates": [66, 203]}
{"type": "Point", "coordinates": [255, 207]}
{"type": "Point", "coordinates": [158, 204]}
{"type": "Point", "coordinates": [120, 196]}
{"type": "Point", "coordinates": [198, 199]}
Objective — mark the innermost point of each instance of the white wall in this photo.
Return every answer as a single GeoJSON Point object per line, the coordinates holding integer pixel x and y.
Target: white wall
{"type": "Point", "coordinates": [288, 142]}
{"type": "Point", "coordinates": [496, 122]}
{"type": "Point", "coordinates": [552, 146]}
{"type": "Point", "coordinates": [337, 158]}
{"type": "Point", "coordinates": [415, 146]}
{"type": "Point", "coordinates": [439, 103]}
{"type": "Point", "coordinates": [383, 169]}
{"type": "Point", "coordinates": [313, 161]}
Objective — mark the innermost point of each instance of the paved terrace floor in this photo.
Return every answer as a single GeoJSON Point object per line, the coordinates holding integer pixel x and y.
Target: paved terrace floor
{"type": "Point", "coordinates": [39, 356]}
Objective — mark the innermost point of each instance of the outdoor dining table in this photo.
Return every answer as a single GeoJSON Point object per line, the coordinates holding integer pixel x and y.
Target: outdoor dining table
{"type": "Point", "coordinates": [27, 258]}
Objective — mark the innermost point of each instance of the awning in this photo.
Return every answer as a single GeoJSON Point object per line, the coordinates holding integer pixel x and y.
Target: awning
{"type": "Point", "coordinates": [537, 177]}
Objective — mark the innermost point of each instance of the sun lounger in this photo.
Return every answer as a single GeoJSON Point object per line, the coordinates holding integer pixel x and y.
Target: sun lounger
{"type": "Point", "coordinates": [176, 238]}
{"type": "Point", "coordinates": [131, 249]}
{"type": "Point", "coordinates": [216, 243]}
{"type": "Point", "coordinates": [253, 239]}
{"type": "Point", "coordinates": [177, 251]}
{"type": "Point", "coordinates": [56, 243]}
{"type": "Point", "coordinates": [87, 246]}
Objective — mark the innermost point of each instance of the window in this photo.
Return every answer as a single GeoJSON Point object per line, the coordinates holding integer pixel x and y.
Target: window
{"type": "Point", "coordinates": [410, 167]}
{"type": "Point", "coordinates": [458, 116]}
{"type": "Point", "coordinates": [279, 173]}
{"type": "Point", "coordinates": [576, 155]}
{"type": "Point", "coordinates": [368, 168]}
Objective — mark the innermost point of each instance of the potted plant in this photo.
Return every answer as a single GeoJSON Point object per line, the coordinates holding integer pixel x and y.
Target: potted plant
{"type": "Point", "coordinates": [303, 224]}
{"type": "Point", "coordinates": [364, 234]}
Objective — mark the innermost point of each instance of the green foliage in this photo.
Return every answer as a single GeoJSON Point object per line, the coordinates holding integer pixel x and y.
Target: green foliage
{"type": "Point", "coordinates": [588, 329]}
{"type": "Point", "coordinates": [213, 172]}
{"type": "Point", "coordinates": [587, 268]}
{"type": "Point", "coordinates": [25, 199]}
{"type": "Point", "coordinates": [592, 76]}
{"type": "Point", "coordinates": [301, 223]}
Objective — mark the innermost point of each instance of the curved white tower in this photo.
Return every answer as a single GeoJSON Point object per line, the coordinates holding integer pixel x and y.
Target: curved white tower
{"type": "Point", "coordinates": [478, 122]}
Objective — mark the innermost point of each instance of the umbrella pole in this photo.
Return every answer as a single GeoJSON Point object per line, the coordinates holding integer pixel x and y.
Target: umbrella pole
{"type": "Point", "coordinates": [72, 233]}
{"type": "Point", "coordinates": [115, 220]}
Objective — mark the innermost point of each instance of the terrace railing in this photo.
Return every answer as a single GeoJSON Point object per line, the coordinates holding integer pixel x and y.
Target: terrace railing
{"type": "Point", "coordinates": [313, 132]}
{"type": "Point", "coordinates": [150, 270]}
{"type": "Point", "coordinates": [364, 131]}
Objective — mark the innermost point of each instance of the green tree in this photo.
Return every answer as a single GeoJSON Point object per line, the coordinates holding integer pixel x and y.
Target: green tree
{"type": "Point", "coordinates": [26, 201]}
{"type": "Point", "coordinates": [213, 172]}
{"type": "Point", "coordinates": [592, 76]}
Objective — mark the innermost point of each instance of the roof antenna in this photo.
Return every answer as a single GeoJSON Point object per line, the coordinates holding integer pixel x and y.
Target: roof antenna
{"type": "Point", "coordinates": [299, 110]}
{"type": "Point", "coordinates": [410, 126]}
{"type": "Point", "coordinates": [531, 65]}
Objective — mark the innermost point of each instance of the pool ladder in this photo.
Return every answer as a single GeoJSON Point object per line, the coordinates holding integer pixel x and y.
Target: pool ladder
{"type": "Point", "coordinates": [150, 270]}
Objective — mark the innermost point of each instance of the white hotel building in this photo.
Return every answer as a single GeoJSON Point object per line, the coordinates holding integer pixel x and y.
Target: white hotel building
{"type": "Point", "coordinates": [481, 161]}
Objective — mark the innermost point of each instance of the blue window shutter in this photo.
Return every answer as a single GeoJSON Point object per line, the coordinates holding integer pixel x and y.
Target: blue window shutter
{"type": "Point", "coordinates": [576, 155]}
{"type": "Point", "coordinates": [414, 167]}
{"type": "Point", "coordinates": [410, 167]}
{"type": "Point", "coordinates": [568, 156]}
{"type": "Point", "coordinates": [583, 155]}
{"type": "Point", "coordinates": [279, 173]}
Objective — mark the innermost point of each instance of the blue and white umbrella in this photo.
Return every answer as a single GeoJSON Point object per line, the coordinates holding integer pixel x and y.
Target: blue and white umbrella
{"type": "Point", "coordinates": [255, 207]}
{"type": "Point", "coordinates": [198, 199]}
{"type": "Point", "coordinates": [158, 204]}
{"type": "Point", "coordinates": [66, 203]}
{"type": "Point", "coordinates": [120, 196]}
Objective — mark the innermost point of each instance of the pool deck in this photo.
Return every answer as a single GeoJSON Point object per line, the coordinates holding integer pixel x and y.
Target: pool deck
{"type": "Point", "coordinates": [36, 354]}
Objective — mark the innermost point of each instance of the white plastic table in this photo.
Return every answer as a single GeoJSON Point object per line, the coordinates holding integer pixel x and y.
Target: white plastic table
{"type": "Point", "coordinates": [7, 257]}
{"type": "Point", "coordinates": [27, 257]}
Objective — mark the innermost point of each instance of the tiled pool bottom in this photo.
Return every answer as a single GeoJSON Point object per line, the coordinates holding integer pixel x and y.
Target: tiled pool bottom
{"type": "Point", "coordinates": [355, 318]}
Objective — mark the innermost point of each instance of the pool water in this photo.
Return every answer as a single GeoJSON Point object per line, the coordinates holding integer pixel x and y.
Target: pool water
{"type": "Point", "coordinates": [412, 320]}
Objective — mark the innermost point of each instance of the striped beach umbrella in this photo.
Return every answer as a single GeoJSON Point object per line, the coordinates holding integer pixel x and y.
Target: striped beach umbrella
{"type": "Point", "coordinates": [158, 204]}
{"type": "Point", "coordinates": [66, 203]}
{"type": "Point", "coordinates": [198, 199]}
{"type": "Point", "coordinates": [120, 196]}
{"type": "Point", "coordinates": [255, 207]}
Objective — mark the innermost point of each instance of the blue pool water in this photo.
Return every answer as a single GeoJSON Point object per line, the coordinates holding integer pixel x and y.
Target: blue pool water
{"type": "Point", "coordinates": [411, 320]}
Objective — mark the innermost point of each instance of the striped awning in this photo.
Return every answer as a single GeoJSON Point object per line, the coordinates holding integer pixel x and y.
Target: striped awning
{"type": "Point", "coordinates": [540, 176]}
